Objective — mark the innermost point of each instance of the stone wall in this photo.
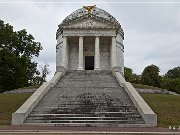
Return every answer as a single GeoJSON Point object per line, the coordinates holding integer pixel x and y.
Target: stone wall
{"type": "Point", "coordinates": [59, 51]}
{"type": "Point", "coordinates": [119, 52]}
{"type": "Point", "coordinates": [105, 53]}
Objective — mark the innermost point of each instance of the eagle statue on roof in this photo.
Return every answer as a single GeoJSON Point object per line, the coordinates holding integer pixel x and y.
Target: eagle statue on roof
{"type": "Point", "coordinates": [89, 8]}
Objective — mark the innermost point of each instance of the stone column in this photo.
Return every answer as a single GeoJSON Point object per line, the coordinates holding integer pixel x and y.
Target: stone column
{"type": "Point", "coordinates": [97, 54]}
{"type": "Point", "coordinates": [64, 52]}
{"type": "Point", "coordinates": [80, 65]}
{"type": "Point", "coordinates": [113, 52]}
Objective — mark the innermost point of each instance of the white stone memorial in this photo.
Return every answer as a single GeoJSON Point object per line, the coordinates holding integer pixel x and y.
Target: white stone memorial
{"type": "Point", "coordinates": [88, 88]}
{"type": "Point", "coordinates": [90, 40]}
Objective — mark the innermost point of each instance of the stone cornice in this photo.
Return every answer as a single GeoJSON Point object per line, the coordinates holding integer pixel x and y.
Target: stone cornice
{"type": "Point", "coordinates": [89, 32]}
{"type": "Point", "coordinates": [112, 25]}
{"type": "Point", "coordinates": [97, 31]}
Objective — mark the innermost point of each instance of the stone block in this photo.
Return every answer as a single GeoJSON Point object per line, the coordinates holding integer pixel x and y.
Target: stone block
{"type": "Point", "coordinates": [60, 69]}
{"type": "Point", "coordinates": [17, 118]}
{"type": "Point", "coordinates": [116, 69]}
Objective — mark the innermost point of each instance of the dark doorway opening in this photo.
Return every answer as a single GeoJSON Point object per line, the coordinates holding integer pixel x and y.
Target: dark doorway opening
{"type": "Point", "coordinates": [89, 62]}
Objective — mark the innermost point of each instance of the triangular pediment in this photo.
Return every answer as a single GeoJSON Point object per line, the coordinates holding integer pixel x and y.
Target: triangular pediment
{"type": "Point", "coordinates": [89, 23]}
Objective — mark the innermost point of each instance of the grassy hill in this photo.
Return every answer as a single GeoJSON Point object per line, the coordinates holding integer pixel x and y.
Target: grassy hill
{"type": "Point", "coordinates": [142, 86]}
{"type": "Point", "coordinates": [167, 108]}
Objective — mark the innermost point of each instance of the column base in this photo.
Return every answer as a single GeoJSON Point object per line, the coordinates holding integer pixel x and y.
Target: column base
{"type": "Point", "coordinates": [60, 69]}
{"type": "Point", "coordinates": [97, 69]}
{"type": "Point", "coordinates": [116, 68]}
{"type": "Point", "coordinates": [80, 68]}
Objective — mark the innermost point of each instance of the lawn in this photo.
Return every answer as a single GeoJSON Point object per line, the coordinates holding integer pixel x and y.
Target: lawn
{"type": "Point", "coordinates": [30, 87]}
{"type": "Point", "coordinates": [167, 108]}
{"type": "Point", "coordinates": [9, 103]}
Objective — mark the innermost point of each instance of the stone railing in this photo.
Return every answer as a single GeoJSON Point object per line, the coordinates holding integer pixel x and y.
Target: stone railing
{"type": "Point", "coordinates": [146, 112]}
{"type": "Point", "coordinates": [22, 113]}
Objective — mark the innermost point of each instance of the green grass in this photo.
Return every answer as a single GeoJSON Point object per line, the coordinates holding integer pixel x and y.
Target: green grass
{"type": "Point", "coordinates": [167, 108]}
{"type": "Point", "coordinates": [30, 87]}
{"type": "Point", "coordinates": [141, 86]}
{"type": "Point", "coordinates": [9, 103]}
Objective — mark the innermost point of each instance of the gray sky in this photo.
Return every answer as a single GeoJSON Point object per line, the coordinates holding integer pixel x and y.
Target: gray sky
{"type": "Point", "coordinates": [152, 29]}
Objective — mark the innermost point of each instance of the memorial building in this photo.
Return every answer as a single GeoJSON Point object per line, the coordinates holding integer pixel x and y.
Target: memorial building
{"type": "Point", "coordinates": [88, 88]}
{"type": "Point", "coordinates": [90, 39]}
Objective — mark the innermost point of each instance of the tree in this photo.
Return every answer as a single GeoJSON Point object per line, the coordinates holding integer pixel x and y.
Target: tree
{"type": "Point", "coordinates": [44, 72]}
{"type": "Point", "coordinates": [171, 84]}
{"type": "Point", "coordinates": [173, 73]}
{"type": "Point", "coordinates": [130, 76]}
{"type": "Point", "coordinates": [17, 48]}
{"type": "Point", "coordinates": [39, 79]}
{"type": "Point", "coordinates": [150, 76]}
{"type": "Point", "coordinates": [136, 78]}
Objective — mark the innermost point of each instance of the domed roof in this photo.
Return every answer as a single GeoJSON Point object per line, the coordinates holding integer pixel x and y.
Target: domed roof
{"type": "Point", "coordinates": [94, 11]}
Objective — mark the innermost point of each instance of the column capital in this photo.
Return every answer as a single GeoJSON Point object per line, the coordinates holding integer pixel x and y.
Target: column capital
{"type": "Point", "coordinates": [80, 35]}
{"type": "Point", "coordinates": [113, 36]}
{"type": "Point", "coordinates": [98, 35]}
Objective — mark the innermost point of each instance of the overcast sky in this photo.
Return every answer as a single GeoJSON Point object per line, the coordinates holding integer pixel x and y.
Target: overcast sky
{"type": "Point", "coordinates": [152, 29]}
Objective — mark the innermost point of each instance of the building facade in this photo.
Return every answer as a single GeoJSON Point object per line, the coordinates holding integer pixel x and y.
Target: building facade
{"type": "Point", "coordinates": [90, 39]}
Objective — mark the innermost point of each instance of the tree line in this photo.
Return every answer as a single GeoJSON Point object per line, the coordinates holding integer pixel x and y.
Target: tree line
{"type": "Point", "coordinates": [150, 76]}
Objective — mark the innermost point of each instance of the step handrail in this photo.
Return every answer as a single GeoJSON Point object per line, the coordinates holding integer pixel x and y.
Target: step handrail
{"type": "Point", "coordinates": [143, 108]}
{"type": "Point", "coordinates": [22, 113]}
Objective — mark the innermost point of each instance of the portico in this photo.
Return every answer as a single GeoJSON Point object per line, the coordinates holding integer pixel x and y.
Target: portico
{"type": "Point", "coordinates": [90, 42]}
{"type": "Point", "coordinates": [95, 55]}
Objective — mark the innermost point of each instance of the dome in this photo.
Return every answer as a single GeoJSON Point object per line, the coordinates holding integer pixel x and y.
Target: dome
{"type": "Point", "coordinates": [95, 12]}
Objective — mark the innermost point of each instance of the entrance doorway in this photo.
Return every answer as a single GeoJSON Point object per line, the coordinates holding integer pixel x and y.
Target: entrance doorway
{"type": "Point", "coordinates": [89, 62]}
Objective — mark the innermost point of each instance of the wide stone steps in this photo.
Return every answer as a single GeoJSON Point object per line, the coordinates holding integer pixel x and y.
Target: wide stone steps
{"type": "Point", "coordinates": [85, 98]}
{"type": "Point", "coordinates": [88, 121]}
{"type": "Point", "coordinates": [103, 117]}
{"type": "Point", "coordinates": [83, 112]}
{"type": "Point", "coordinates": [78, 117]}
{"type": "Point", "coordinates": [69, 106]}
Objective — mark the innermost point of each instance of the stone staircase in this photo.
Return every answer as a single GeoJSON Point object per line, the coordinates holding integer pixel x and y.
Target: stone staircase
{"type": "Point", "coordinates": [85, 98]}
